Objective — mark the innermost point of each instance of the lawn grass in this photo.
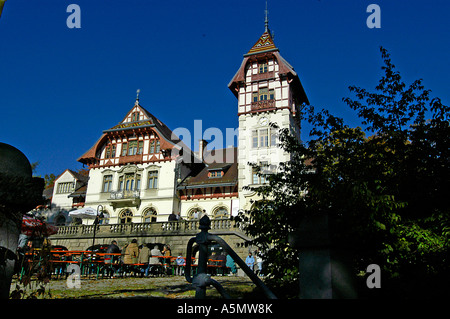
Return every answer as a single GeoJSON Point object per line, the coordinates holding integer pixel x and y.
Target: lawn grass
{"type": "Point", "coordinates": [174, 287]}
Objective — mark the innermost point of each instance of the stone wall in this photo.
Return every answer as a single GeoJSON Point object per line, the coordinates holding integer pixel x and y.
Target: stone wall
{"type": "Point", "coordinates": [176, 234]}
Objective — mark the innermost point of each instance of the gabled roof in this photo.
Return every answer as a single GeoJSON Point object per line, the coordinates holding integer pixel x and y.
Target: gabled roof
{"type": "Point", "coordinates": [265, 47]}
{"type": "Point", "coordinates": [264, 44]}
{"type": "Point", "coordinates": [146, 121]}
{"type": "Point", "coordinates": [80, 177]}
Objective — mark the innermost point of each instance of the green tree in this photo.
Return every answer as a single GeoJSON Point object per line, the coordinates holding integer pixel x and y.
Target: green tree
{"type": "Point", "coordinates": [49, 179]}
{"type": "Point", "coordinates": [385, 192]}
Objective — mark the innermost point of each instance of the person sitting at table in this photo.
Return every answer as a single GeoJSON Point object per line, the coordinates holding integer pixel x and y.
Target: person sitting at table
{"type": "Point", "coordinates": [212, 258]}
{"type": "Point", "coordinates": [154, 261]}
{"type": "Point", "coordinates": [112, 249]}
{"type": "Point", "coordinates": [167, 253]}
{"type": "Point", "coordinates": [112, 260]}
{"type": "Point", "coordinates": [153, 253]}
{"type": "Point", "coordinates": [144, 256]}
{"type": "Point", "coordinates": [131, 253]}
{"type": "Point", "coordinates": [221, 262]}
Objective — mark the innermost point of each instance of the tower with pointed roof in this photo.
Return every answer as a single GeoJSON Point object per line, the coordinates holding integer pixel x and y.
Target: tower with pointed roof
{"type": "Point", "coordinates": [268, 90]}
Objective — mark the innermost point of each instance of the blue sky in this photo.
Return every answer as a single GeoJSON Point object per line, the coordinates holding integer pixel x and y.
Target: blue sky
{"type": "Point", "coordinates": [60, 87]}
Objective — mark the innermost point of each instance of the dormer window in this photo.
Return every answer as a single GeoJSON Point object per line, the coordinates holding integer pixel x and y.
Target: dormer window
{"type": "Point", "coordinates": [215, 174]}
{"type": "Point", "coordinates": [218, 170]}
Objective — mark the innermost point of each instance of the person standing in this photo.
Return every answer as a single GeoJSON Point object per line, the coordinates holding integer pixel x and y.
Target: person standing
{"type": "Point", "coordinates": [173, 217]}
{"type": "Point", "coordinates": [250, 260]}
{"type": "Point", "coordinates": [181, 262]}
{"type": "Point", "coordinates": [259, 262]}
{"type": "Point", "coordinates": [232, 265]}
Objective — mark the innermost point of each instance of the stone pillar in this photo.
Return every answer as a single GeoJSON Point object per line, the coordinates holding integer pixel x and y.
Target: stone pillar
{"type": "Point", "coordinates": [19, 193]}
{"type": "Point", "coordinates": [324, 271]}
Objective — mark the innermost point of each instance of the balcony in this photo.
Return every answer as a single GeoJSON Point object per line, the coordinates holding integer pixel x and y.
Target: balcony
{"type": "Point", "coordinates": [263, 105]}
{"type": "Point", "coordinates": [125, 197]}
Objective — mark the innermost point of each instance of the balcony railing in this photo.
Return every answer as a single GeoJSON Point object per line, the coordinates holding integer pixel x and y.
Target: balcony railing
{"type": "Point", "coordinates": [264, 104]}
{"type": "Point", "coordinates": [140, 228]}
{"type": "Point", "coordinates": [124, 194]}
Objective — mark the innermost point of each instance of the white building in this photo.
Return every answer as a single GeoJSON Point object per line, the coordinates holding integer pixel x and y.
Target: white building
{"type": "Point", "coordinates": [67, 193]}
{"type": "Point", "coordinates": [138, 173]}
{"type": "Point", "coordinates": [268, 91]}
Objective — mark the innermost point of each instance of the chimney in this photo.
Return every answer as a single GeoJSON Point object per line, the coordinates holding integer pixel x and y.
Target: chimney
{"type": "Point", "coordinates": [202, 148]}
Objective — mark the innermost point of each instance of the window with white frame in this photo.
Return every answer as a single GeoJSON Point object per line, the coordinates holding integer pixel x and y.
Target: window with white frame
{"type": "Point", "coordinates": [126, 216]}
{"type": "Point", "coordinates": [260, 177]}
{"type": "Point", "coordinates": [263, 138]}
{"type": "Point", "coordinates": [107, 183]}
{"type": "Point", "coordinates": [135, 147]}
{"type": "Point", "coordinates": [263, 94]}
{"type": "Point", "coordinates": [195, 213]}
{"type": "Point", "coordinates": [155, 146]}
{"type": "Point", "coordinates": [149, 215]}
{"type": "Point", "coordinates": [129, 182]}
{"type": "Point", "coordinates": [260, 138]}
{"type": "Point", "coordinates": [273, 137]}
{"type": "Point", "coordinates": [220, 212]}
{"type": "Point", "coordinates": [152, 180]}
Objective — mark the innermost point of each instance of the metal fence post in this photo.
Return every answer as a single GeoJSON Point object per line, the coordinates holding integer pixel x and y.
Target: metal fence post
{"type": "Point", "coordinates": [201, 280]}
{"type": "Point", "coordinates": [202, 268]}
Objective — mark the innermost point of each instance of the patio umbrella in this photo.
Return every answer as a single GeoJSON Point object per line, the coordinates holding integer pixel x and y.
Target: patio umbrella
{"type": "Point", "coordinates": [32, 226]}
{"type": "Point", "coordinates": [86, 213]}
{"type": "Point", "coordinates": [90, 213]}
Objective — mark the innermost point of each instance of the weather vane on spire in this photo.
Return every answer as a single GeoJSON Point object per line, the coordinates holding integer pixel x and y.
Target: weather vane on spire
{"type": "Point", "coordinates": [137, 94]}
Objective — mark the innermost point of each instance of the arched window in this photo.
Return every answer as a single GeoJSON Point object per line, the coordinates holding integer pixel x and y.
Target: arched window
{"type": "Point", "coordinates": [125, 216]}
{"type": "Point", "coordinates": [149, 215]}
{"type": "Point", "coordinates": [220, 212]}
{"type": "Point", "coordinates": [195, 213]}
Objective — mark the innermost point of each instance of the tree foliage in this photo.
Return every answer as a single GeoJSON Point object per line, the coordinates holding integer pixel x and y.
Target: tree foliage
{"type": "Point", "coordinates": [386, 192]}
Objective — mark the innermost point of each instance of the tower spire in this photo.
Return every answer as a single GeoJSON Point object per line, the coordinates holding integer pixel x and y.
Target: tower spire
{"type": "Point", "coordinates": [266, 21]}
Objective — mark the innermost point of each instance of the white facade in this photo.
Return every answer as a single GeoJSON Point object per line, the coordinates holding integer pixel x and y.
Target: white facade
{"type": "Point", "coordinates": [136, 177]}
{"type": "Point", "coordinates": [65, 184]}
{"type": "Point", "coordinates": [62, 201]}
{"type": "Point", "coordinates": [258, 143]}
{"type": "Point", "coordinates": [150, 191]}
{"type": "Point", "coordinates": [268, 91]}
